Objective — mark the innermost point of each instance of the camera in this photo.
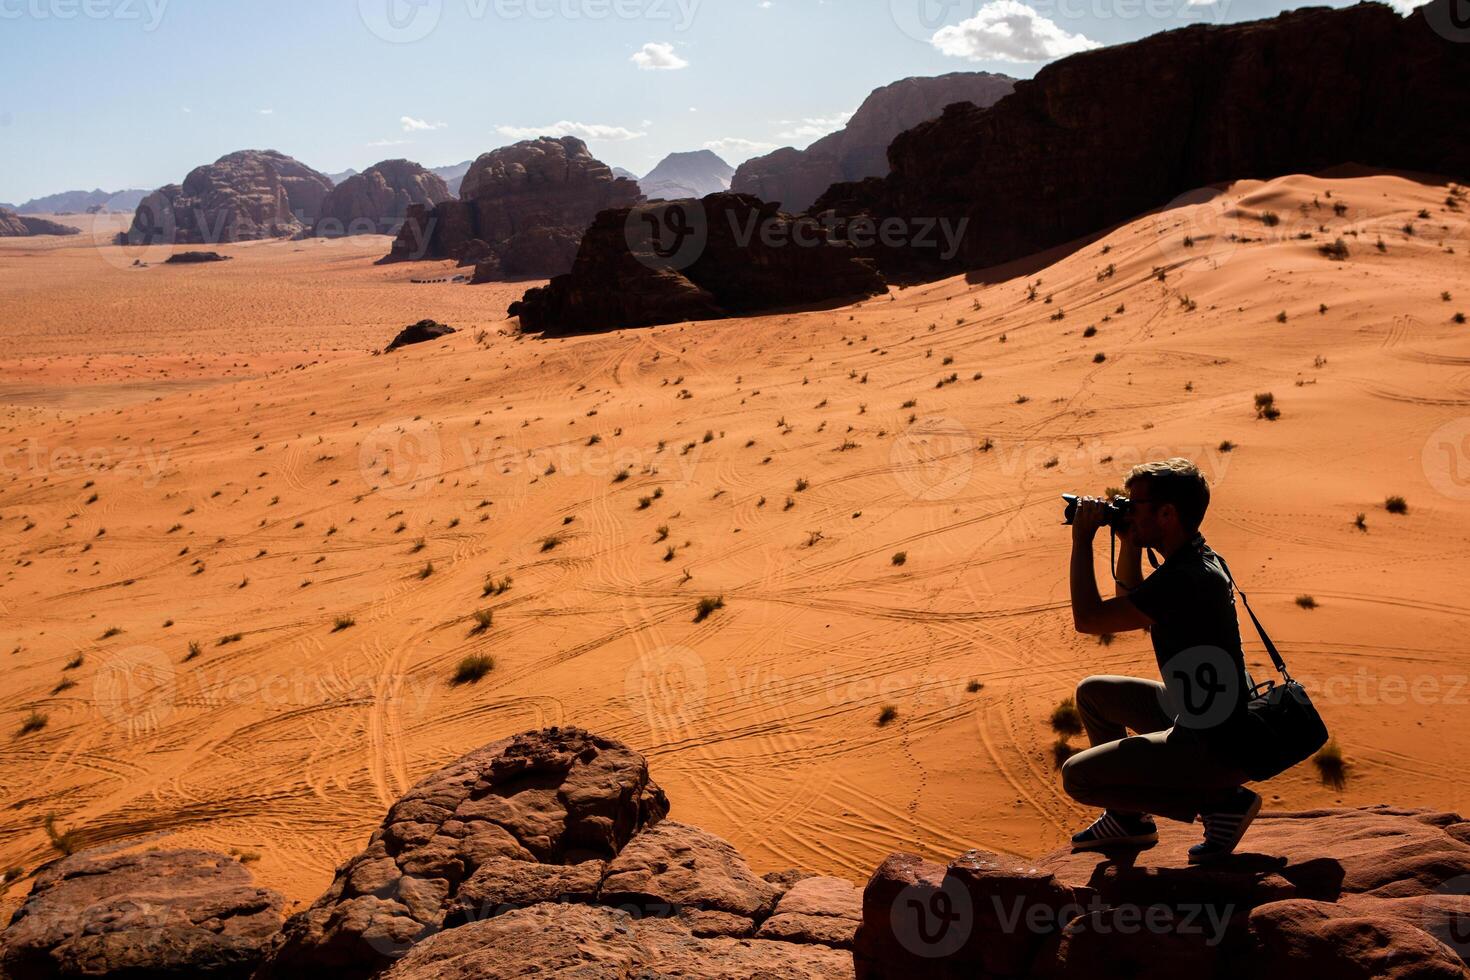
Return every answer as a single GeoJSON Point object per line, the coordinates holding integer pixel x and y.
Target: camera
{"type": "Point", "coordinates": [1118, 510]}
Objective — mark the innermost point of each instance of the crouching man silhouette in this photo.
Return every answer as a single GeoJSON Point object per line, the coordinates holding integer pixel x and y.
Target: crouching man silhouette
{"type": "Point", "coordinates": [1189, 755]}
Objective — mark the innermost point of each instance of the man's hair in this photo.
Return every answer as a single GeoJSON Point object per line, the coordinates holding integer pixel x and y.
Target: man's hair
{"type": "Point", "coordinates": [1179, 482]}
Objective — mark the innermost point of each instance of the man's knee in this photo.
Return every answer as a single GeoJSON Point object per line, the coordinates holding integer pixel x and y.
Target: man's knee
{"type": "Point", "coordinates": [1093, 689]}
{"type": "Point", "coordinates": [1075, 778]}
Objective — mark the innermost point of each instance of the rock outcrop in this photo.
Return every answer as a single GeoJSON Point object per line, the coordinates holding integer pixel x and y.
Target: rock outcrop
{"type": "Point", "coordinates": [418, 333]}
{"type": "Point", "coordinates": [195, 258]}
{"type": "Point", "coordinates": [245, 196]}
{"type": "Point", "coordinates": [521, 213]}
{"type": "Point", "coordinates": [686, 175]}
{"type": "Point", "coordinates": [376, 201]}
{"type": "Point", "coordinates": [727, 255]}
{"type": "Point", "coordinates": [1103, 136]}
{"type": "Point", "coordinates": [549, 854]}
{"type": "Point", "coordinates": [1376, 892]}
{"type": "Point", "coordinates": [13, 225]}
{"type": "Point", "coordinates": [181, 914]}
{"type": "Point", "coordinates": [549, 801]}
{"type": "Point", "coordinates": [796, 178]}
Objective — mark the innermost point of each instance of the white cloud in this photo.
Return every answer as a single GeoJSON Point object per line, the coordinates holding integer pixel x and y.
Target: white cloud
{"type": "Point", "coordinates": [658, 56]}
{"type": "Point", "coordinates": [412, 125]}
{"type": "Point", "coordinates": [1007, 30]}
{"type": "Point", "coordinates": [735, 148]}
{"type": "Point", "coordinates": [266, 112]}
{"type": "Point", "coordinates": [1406, 7]}
{"type": "Point", "coordinates": [814, 127]}
{"type": "Point", "coordinates": [586, 131]}
{"type": "Point", "coordinates": [376, 143]}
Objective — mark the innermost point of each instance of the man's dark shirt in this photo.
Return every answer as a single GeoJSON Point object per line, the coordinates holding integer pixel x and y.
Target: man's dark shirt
{"type": "Point", "coordinates": [1196, 639]}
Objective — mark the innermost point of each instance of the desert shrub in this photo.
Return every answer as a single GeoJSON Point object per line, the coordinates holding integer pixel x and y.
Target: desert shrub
{"type": "Point", "coordinates": [66, 842]}
{"type": "Point", "coordinates": [1306, 602]}
{"type": "Point", "coordinates": [1331, 766]}
{"type": "Point", "coordinates": [33, 722]}
{"type": "Point", "coordinates": [1266, 407]}
{"type": "Point", "coordinates": [472, 669]}
{"type": "Point", "coordinates": [1396, 505]}
{"type": "Point", "coordinates": [343, 623]}
{"type": "Point", "coordinates": [901, 558]}
{"type": "Point", "coordinates": [707, 607]}
{"type": "Point", "coordinates": [1061, 751]}
{"type": "Point", "coordinates": [484, 619]}
{"type": "Point", "coordinates": [1337, 251]}
{"type": "Point", "coordinates": [887, 715]}
{"type": "Point", "coordinates": [1066, 719]}
{"type": "Point", "coordinates": [1226, 446]}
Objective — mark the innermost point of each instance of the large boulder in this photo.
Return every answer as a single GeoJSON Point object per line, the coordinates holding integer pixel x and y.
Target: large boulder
{"type": "Point", "coordinates": [594, 942]}
{"type": "Point", "coordinates": [419, 333]}
{"type": "Point", "coordinates": [1103, 136]}
{"type": "Point", "coordinates": [13, 225]}
{"type": "Point", "coordinates": [796, 178]}
{"type": "Point", "coordinates": [245, 196]}
{"type": "Point", "coordinates": [522, 210]}
{"type": "Point", "coordinates": [675, 869]}
{"type": "Point", "coordinates": [726, 255]}
{"type": "Point", "coordinates": [1377, 892]}
{"type": "Point", "coordinates": [376, 201]}
{"type": "Point", "coordinates": [561, 798]}
{"type": "Point", "coordinates": [184, 914]}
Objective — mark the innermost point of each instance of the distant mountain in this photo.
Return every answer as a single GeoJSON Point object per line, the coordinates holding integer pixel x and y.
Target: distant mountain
{"type": "Point", "coordinates": [344, 175]}
{"type": "Point", "coordinates": [796, 178]}
{"type": "Point", "coordinates": [625, 174]}
{"type": "Point", "coordinates": [79, 202]}
{"type": "Point", "coordinates": [692, 174]}
{"type": "Point", "coordinates": [453, 176]}
{"type": "Point", "coordinates": [7, 207]}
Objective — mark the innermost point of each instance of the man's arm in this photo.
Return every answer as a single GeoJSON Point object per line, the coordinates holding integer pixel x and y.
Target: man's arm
{"type": "Point", "coordinates": [1130, 566]}
{"type": "Point", "coordinates": [1090, 612]}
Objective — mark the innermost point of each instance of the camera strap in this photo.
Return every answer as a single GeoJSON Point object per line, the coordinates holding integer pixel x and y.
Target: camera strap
{"type": "Point", "coordinates": [1265, 637]}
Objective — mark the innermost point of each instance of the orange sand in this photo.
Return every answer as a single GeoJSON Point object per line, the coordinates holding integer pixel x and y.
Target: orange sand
{"type": "Point", "coordinates": [388, 489]}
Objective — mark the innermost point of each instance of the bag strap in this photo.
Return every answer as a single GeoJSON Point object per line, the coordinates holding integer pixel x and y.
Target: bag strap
{"type": "Point", "coordinates": [1265, 637]}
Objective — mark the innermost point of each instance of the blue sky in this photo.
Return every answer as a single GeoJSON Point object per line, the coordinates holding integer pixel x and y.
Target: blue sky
{"type": "Point", "coordinates": [135, 93]}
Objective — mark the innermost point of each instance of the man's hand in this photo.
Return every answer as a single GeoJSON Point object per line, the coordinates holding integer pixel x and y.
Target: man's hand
{"type": "Point", "coordinates": [1092, 513]}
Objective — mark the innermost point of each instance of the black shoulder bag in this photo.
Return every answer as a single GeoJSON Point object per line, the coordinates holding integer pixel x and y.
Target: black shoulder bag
{"type": "Point", "coordinates": [1288, 730]}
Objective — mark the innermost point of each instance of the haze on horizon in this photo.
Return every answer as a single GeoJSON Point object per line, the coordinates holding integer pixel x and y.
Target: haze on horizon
{"type": "Point", "coordinates": [134, 93]}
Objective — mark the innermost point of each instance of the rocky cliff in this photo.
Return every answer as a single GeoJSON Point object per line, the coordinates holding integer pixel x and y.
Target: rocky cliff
{"type": "Point", "coordinates": [551, 853]}
{"type": "Point", "coordinates": [13, 225]}
{"type": "Point", "coordinates": [727, 255]}
{"type": "Point", "coordinates": [249, 195]}
{"type": "Point", "coordinates": [521, 212]}
{"type": "Point", "coordinates": [1103, 136]}
{"type": "Point", "coordinates": [796, 178]}
{"type": "Point", "coordinates": [376, 201]}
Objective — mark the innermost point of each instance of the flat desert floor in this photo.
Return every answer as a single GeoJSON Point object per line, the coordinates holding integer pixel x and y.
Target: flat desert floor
{"type": "Point", "coordinates": [241, 557]}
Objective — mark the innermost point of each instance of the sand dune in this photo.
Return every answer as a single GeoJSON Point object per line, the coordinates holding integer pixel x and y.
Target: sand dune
{"type": "Point", "coordinates": [325, 534]}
